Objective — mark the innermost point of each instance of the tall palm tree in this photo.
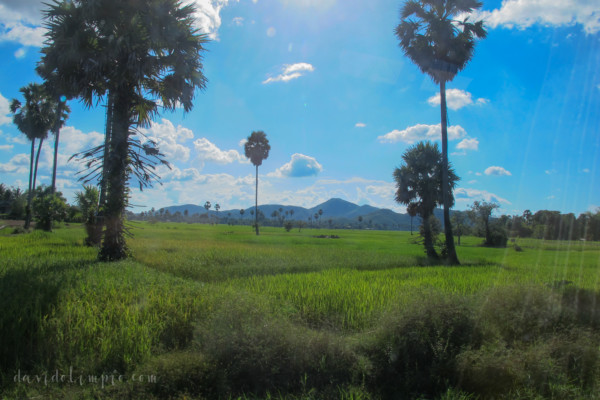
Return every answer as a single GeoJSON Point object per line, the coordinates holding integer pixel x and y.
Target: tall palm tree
{"type": "Point", "coordinates": [419, 185]}
{"type": "Point", "coordinates": [34, 118]}
{"type": "Point", "coordinates": [440, 46]}
{"type": "Point", "coordinates": [257, 149]}
{"type": "Point", "coordinates": [142, 53]}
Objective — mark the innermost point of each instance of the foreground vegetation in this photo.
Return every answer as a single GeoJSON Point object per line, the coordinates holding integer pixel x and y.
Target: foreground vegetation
{"type": "Point", "coordinates": [217, 312]}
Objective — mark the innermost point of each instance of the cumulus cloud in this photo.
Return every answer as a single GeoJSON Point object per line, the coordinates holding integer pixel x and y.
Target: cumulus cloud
{"type": "Point", "coordinates": [552, 13]}
{"type": "Point", "coordinates": [5, 117]}
{"type": "Point", "coordinates": [456, 99]}
{"type": "Point", "coordinates": [19, 164]}
{"type": "Point", "coordinates": [497, 171]}
{"type": "Point", "coordinates": [20, 21]}
{"type": "Point", "coordinates": [420, 132]}
{"type": "Point", "coordinates": [170, 139]}
{"type": "Point", "coordinates": [208, 151]}
{"type": "Point", "coordinates": [466, 195]}
{"type": "Point", "coordinates": [290, 72]}
{"type": "Point", "coordinates": [468, 144]}
{"type": "Point", "coordinates": [298, 167]}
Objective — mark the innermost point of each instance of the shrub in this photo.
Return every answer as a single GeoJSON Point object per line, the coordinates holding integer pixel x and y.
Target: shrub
{"type": "Point", "coordinates": [498, 236]}
{"type": "Point", "coordinates": [414, 352]}
{"type": "Point", "coordinates": [49, 208]}
{"type": "Point", "coordinates": [258, 350]}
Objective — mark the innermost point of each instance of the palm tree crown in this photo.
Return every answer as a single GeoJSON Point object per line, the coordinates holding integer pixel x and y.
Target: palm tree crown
{"type": "Point", "coordinates": [257, 148]}
{"type": "Point", "coordinates": [438, 44]}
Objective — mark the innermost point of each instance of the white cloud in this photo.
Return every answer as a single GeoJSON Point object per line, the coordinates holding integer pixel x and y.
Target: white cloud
{"type": "Point", "coordinates": [468, 144]}
{"type": "Point", "coordinates": [525, 13]}
{"type": "Point", "coordinates": [419, 132]}
{"type": "Point", "coordinates": [298, 167]}
{"type": "Point", "coordinates": [170, 139]}
{"type": "Point", "coordinates": [271, 32]}
{"type": "Point", "coordinates": [5, 117]}
{"type": "Point", "coordinates": [19, 164]}
{"type": "Point", "coordinates": [585, 170]}
{"type": "Point", "coordinates": [550, 171]}
{"type": "Point", "coordinates": [291, 71]}
{"type": "Point", "coordinates": [6, 147]}
{"type": "Point", "coordinates": [466, 195]}
{"type": "Point", "coordinates": [551, 197]}
{"type": "Point", "coordinates": [20, 53]}
{"type": "Point", "coordinates": [497, 171]}
{"type": "Point", "coordinates": [456, 99]}
{"type": "Point", "coordinates": [360, 125]}
{"type": "Point", "coordinates": [73, 140]}
{"type": "Point", "coordinates": [238, 21]}
{"type": "Point", "coordinates": [208, 151]}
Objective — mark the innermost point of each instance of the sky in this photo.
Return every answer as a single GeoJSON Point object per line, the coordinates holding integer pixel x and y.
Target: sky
{"type": "Point", "coordinates": [340, 104]}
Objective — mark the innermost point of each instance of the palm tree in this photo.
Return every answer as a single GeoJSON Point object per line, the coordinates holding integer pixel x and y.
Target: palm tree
{"type": "Point", "coordinates": [88, 204]}
{"type": "Point", "coordinates": [217, 207]}
{"type": "Point", "coordinates": [129, 49]}
{"type": "Point", "coordinates": [34, 118]}
{"type": "Point", "coordinates": [257, 149]}
{"type": "Point", "coordinates": [412, 211]}
{"type": "Point", "coordinates": [419, 185]}
{"type": "Point", "coordinates": [440, 46]}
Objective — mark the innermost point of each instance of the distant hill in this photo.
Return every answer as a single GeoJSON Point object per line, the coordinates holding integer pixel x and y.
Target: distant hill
{"type": "Point", "coordinates": [342, 213]}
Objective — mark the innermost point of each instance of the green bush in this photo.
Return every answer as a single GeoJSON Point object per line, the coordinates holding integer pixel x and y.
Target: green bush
{"type": "Point", "coordinates": [49, 208]}
{"type": "Point", "coordinates": [414, 352]}
{"type": "Point", "coordinates": [258, 350]}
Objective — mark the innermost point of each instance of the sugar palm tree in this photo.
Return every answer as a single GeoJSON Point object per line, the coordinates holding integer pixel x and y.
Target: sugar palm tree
{"type": "Point", "coordinates": [441, 46]}
{"type": "Point", "coordinates": [419, 185]}
{"type": "Point", "coordinates": [35, 118]}
{"type": "Point", "coordinates": [257, 149]}
{"type": "Point", "coordinates": [143, 54]}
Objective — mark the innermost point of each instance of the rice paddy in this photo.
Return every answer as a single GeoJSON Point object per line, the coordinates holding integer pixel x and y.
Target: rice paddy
{"type": "Point", "coordinates": [62, 309]}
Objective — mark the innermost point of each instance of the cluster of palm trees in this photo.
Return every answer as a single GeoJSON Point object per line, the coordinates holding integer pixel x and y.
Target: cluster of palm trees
{"type": "Point", "coordinates": [441, 45]}
{"type": "Point", "coordinates": [137, 57]}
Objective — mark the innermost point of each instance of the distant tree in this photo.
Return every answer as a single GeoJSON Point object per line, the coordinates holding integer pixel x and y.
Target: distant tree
{"type": "Point", "coordinates": [480, 213]}
{"type": "Point", "coordinates": [412, 210]}
{"type": "Point", "coordinates": [360, 219]}
{"type": "Point", "coordinates": [242, 212]}
{"type": "Point", "coordinates": [320, 215]}
{"type": "Point", "coordinates": [292, 212]}
{"type": "Point", "coordinates": [459, 222]}
{"type": "Point", "coordinates": [419, 181]}
{"type": "Point", "coordinates": [288, 226]}
{"type": "Point", "coordinates": [440, 46]}
{"type": "Point", "coordinates": [186, 213]}
{"type": "Point", "coordinates": [317, 220]}
{"type": "Point", "coordinates": [217, 208]}
{"type": "Point", "coordinates": [300, 225]}
{"type": "Point", "coordinates": [257, 149]}
{"type": "Point", "coordinates": [207, 206]}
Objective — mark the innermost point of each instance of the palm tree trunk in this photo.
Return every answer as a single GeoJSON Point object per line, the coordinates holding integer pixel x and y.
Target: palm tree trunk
{"type": "Point", "coordinates": [256, 203]}
{"type": "Point", "coordinates": [30, 193]}
{"type": "Point", "coordinates": [37, 160]}
{"type": "Point", "coordinates": [451, 250]}
{"type": "Point", "coordinates": [96, 238]}
{"type": "Point", "coordinates": [114, 247]}
{"type": "Point", "coordinates": [56, 140]}
{"type": "Point", "coordinates": [428, 239]}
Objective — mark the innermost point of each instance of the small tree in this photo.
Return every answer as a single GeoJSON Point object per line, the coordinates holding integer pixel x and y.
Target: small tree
{"type": "Point", "coordinates": [419, 181]}
{"type": "Point", "coordinates": [480, 213]}
{"type": "Point", "coordinates": [88, 204]}
{"type": "Point", "coordinates": [48, 207]}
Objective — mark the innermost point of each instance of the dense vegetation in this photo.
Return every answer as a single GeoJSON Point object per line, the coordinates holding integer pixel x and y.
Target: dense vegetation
{"type": "Point", "coordinates": [217, 312]}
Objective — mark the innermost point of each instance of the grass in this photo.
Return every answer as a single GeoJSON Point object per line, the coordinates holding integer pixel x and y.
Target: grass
{"type": "Point", "coordinates": [217, 312]}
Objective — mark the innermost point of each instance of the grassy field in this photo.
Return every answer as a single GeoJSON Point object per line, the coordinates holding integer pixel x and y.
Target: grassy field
{"type": "Point", "coordinates": [217, 312]}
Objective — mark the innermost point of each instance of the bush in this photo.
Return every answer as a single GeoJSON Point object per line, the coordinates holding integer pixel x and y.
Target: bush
{"type": "Point", "coordinates": [258, 350]}
{"type": "Point", "coordinates": [289, 225]}
{"type": "Point", "coordinates": [49, 208]}
{"type": "Point", "coordinates": [414, 353]}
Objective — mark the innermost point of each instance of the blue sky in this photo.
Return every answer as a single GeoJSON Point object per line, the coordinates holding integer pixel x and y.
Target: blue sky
{"type": "Point", "coordinates": [327, 82]}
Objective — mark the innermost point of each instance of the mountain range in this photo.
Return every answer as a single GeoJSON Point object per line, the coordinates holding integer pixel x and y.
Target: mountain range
{"type": "Point", "coordinates": [341, 212]}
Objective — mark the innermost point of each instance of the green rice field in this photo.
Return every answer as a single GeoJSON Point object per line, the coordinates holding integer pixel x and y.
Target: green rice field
{"type": "Point", "coordinates": [217, 312]}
